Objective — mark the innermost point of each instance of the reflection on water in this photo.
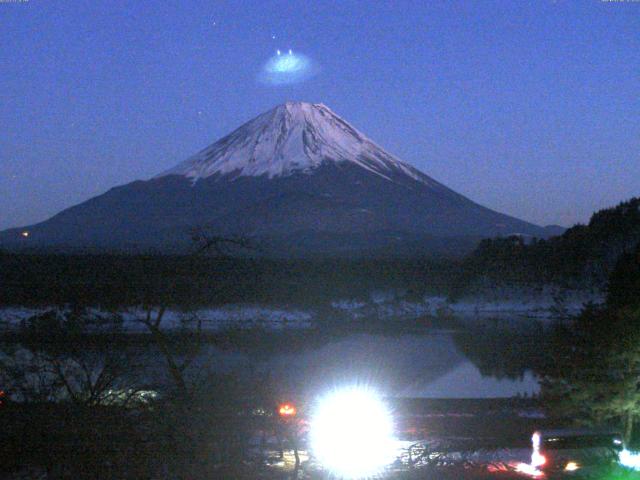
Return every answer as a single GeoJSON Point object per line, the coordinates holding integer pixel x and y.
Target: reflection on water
{"type": "Point", "coordinates": [466, 381]}
{"type": "Point", "coordinates": [478, 360]}
{"type": "Point", "coordinates": [429, 366]}
{"type": "Point", "coordinates": [504, 349]}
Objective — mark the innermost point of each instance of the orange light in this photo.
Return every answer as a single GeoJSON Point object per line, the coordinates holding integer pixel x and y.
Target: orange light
{"type": "Point", "coordinates": [287, 410]}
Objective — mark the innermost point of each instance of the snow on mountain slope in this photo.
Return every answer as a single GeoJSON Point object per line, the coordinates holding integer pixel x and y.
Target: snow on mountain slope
{"type": "Point", "coordinates": [294, 137]}
{"type": "Point", "coordinates": [299, 179]}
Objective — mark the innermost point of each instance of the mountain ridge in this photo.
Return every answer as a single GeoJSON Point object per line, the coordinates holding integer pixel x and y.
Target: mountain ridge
{"type": "Point", "coordinates": [295, 171]}
{"type": "Point", "coordinates": [292, 137]}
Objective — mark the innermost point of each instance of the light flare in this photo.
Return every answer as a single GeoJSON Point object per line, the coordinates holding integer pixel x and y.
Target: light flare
{"type": "Point", "coordinates": [571, 467]}
{"type": "Point", "coordinates": [629, 459]}
{"type": "Point", "coordinates": [529, 470]}
{"type": "Point", "coordinates": [287, 410]}
{"type": "Point", "coordinates": [352, 433]}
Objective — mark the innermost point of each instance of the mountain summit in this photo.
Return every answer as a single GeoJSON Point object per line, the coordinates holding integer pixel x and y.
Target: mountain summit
{"type": "Point", "coordinates": [299, 179]}
{"type": "Point", "coordinates": [294, 137]}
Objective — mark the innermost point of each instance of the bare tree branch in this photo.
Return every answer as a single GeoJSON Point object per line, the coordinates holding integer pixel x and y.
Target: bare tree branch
{"type": "Point", "coordinates": [206, 242]}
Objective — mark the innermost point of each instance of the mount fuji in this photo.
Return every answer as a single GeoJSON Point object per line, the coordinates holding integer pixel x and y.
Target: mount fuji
{"type": "Point", "coordinates": [300, 179]}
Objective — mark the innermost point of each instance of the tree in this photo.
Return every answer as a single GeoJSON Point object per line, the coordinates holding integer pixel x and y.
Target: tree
{"type": "Point", "coordinates": [55, 361]}
{"type": "Point", "coordinates": [594, 369]}
{"type": "Point", "coordinates": [179, 349]}
{"type": "Point", "coordinates": [624, 282]}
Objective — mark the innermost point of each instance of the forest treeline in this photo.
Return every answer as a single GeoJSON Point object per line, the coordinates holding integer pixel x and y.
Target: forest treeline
{"type": "Point", "coordinates": [582, 257]}
{"type": "Point", "coordinates": [117, 280]}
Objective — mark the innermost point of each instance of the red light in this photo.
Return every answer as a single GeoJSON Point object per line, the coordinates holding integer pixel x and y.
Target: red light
{"type": "Point", "coordinates": [287, 410]}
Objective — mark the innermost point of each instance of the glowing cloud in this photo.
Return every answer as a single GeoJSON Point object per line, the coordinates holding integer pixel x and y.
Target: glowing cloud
{"type": "Point", "coordinates": [287, 68]}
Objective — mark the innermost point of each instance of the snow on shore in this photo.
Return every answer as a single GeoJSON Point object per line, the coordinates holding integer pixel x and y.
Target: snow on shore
{"type": "Point", "coordinates": [212, 319]}
{"type": "Point", "coordinates": [545, 304]}
{"type": "Point", "coordinates": [380, 305]}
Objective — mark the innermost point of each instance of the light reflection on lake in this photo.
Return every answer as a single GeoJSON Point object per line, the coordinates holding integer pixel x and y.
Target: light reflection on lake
{"type": "Point", "coordinates": [427, 366]}
{"type": "Point", "coordinates": [475, 360]}
{"type": "Point", "coordinates": [466, 364]}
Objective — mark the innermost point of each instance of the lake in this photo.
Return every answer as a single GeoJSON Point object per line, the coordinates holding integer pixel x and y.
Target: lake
{"type": "Point", "coordinates": [476, 359]}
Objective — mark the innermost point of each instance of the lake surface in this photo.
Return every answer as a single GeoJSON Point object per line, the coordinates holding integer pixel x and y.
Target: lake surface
{"type": "Point", "coordinates": [477, 360]}
{"type": "Point", "coordinates": [428, 366]}
{"type": "Point", "coordinates": [435, 365]}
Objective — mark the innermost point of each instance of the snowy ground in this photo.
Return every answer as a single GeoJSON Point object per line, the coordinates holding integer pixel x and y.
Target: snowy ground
{"type": "Point", "coordinates": [545, 304]}
{"type": "Point", "coordinates": [388, 305]}
{"type": "Point", "coordinates": [212, 319]}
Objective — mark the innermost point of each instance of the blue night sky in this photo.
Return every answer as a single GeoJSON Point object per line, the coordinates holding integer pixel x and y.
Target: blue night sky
{"type": "Point", "coordinates": [530, 108]}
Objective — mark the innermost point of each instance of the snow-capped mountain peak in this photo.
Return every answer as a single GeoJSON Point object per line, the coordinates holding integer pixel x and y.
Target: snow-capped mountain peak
{"type": "Point", "coordinates": [297, 178]}
{"type": "Point", "coordinates": [293, 137]}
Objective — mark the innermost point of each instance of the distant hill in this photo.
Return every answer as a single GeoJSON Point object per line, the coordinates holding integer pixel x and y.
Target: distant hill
{"type": "Point", "coordinates": [554, 230]}
{"type": "Point", "coordinates": [583, 255]}
{"type": "Point", "coordinates": [580, 258]}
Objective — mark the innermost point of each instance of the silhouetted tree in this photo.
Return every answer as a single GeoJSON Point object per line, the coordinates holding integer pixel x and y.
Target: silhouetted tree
{"type": "Point", "coordinates": [179, 349]}
{"type": "Point", "coordinates": [594, 372]}
{"type": "Point", "coordinates": [54, 360]}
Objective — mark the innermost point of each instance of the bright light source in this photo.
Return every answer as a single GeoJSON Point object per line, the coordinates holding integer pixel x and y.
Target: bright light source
{"type": "Point", "coordinates": [287, 410]}
{"type": "Point", "coordinates": [287, 69]}
{"type": "Point", "coordinates": [25, 234]}
{"type": "Point", "coordinates": [352, 433]}
{"type": "Point", "coordinates": [535, 441]}
{"type": "Point", "coordinates": [571, 467]}
{"type": "Point", "coordinates": [629, 459]}
{"type": "Point", "coordinates": [529, 470]}
{"type": "Point", "coordinates": [537, 459]}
